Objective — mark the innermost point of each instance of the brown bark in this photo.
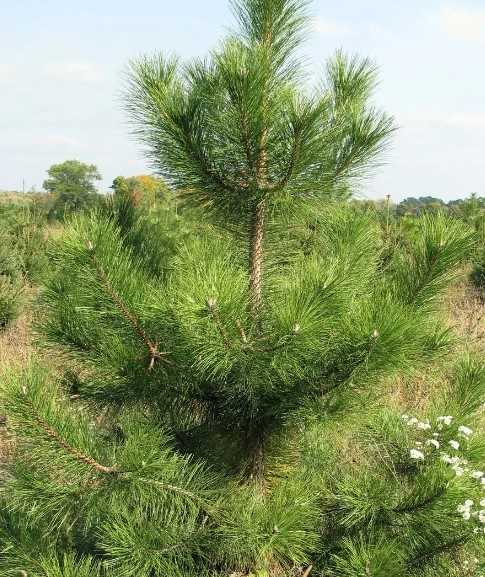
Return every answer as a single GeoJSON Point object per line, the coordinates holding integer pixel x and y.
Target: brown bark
{"type": "Point", "coordinates": [255, 470]}
{"type": "Point", "coordinates": [256, 260]}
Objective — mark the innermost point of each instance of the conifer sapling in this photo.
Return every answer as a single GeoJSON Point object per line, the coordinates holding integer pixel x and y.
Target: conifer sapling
{"type": "Point", "coordinates": [226, 416]}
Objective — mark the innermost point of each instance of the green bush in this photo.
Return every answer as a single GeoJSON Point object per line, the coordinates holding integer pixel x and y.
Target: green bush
{"type": "Point", "coordinates": [24, 234]}
{"type": "Point", "coordinates": [10, 299]}
{"type": "Point", "coordinates": [10, 281]}
{"type": "Point", "coordinates": [478, 270]}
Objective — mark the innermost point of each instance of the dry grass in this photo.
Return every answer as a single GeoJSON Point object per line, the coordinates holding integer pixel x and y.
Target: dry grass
{"type": "Point", "coordinates": [465, 306]}
{"type": "Point", "coordinates": [15, 353]}
{"type": "Point", "coordinates": [15, 346]}
{"type": "Point", "coordinates": [464, 312]}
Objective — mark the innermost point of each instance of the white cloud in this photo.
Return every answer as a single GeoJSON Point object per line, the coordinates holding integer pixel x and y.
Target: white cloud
{"type": "Point", "coordinates": [72, 70]}
{"type": "Point", "coordinates": [464, 23]}
{"type": "Point", "coordinates": [6, 73]}
{"type": "Point", "coordinates": [467, 121]}
{"type": "Point", "coordinates": [462, 120]}
{"type": "Point", "coordinates": [330, 27]}
{"type": "Point", "coordinates": [57, 140]}
{"type": "Point", "coordinates": [15, 141]}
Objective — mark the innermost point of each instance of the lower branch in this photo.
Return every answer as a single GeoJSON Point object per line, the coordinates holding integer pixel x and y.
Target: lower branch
{"type": "Point", "coordinates": [75, 453]}
{"type": "Point", "coordinates": [152, 347]}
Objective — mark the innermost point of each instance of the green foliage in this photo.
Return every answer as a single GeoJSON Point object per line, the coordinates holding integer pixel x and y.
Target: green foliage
{"type": "Point", "coordinates": [24, 230]}
{"type": "Point", "coordinates": [142, 189]}
{"type": "Point", "coordinates": [10, 294]}
{"type": "Point", "coordinates": [228, 413]}
{"type": "Point", "coordinates": [10, 281]}
{"type": "Point", "coordinates": [147, 215]}
{"type": "Point", "coordinates": [440, 242]}
{"type": "Point", "coordinates": [71, 184]}
{"type": "Point", "coordinates": [22, 254]}
{"type": "Point", "coordinates": [305, 144]}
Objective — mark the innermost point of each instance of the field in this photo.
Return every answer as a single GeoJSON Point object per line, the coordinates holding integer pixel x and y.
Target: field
{"type": "Point", "coordinates": [238, 365]}
{"type": "Point", "coordinates": [77, 325]}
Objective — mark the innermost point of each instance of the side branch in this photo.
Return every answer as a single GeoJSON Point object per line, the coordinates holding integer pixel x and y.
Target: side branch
{"type": "Point", "coordinates": [209, 172]}
{"type": "Point", "coordinates": [172, 489]}
{"type": "Point", "coordinates": [75, 453]}
{"type": "Point", "coordinates": [87, 460]}
{"type": "Point", "coordinates": [127, 314]}
{"type": "Point", "coordinates": [294, 156]}
{"type": "Point", "coordinates": [214, 313]}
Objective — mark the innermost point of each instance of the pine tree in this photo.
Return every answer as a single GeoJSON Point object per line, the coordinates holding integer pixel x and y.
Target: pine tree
{"type": "Point", "coordinates": [229, 413]}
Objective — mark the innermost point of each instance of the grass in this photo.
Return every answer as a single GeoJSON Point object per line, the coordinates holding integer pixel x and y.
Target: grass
{"type": "Point", "coordinates": [465, 305]}
{"type": "Point", "coordinates": [463, 308]}
{"type": "Point", "coordinates": [15, 343]}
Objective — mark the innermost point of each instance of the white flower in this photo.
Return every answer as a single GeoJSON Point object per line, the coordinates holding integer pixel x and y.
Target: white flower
{"type": "Point", "coordinates": [455, 445]}
{"type": "Point", "coordinates": [482, 480]}
{"type": "Point", "coordinates": [465, 431]}
{"type": "Point", "coordinates": [477, 474]}
{"type": "Point", "coordinates": [481, 516]}
{"type": "Point", "coordinates": [433, 442]}
{"type": "Point", "coordinates": [415, 454]}
{"type": "Point", "coordinates": [446, 420]}
{"type": "Point", "coordinates": [468, 503]}
{"type": "Point", "coordinates": [404, 417]}
{"type": "Point", "coordinates": [482, 502]}
{"type": "Point", "coordinates": [424, 426]}
{"type": "Point", "coordinates": [458, 471]}
{"type": "Point", "coordinates": [413, 421]}
{"type": "Point", "coordinates": [466, 515]}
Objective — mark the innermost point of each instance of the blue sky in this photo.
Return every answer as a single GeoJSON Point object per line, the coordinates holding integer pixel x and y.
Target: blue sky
{"type": "Point", "coordinates": [61, 65]}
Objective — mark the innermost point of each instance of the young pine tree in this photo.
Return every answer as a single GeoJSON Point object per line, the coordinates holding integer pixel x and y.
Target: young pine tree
{"type": "Point", "coordinates": [228, 417]}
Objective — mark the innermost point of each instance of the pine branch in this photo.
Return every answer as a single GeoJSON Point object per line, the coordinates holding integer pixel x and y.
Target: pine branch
{"type": "Point", "coordinates": [215, 316]}
{"type": "Point", "coordinates": [450, 546]}
{"type": "Point", "coordinates": [171, 488]}
{"type": "Point", "coordinates": [242, 332]}
{"type": "Point", "coordinates": [422, 504]}
{"type": "Point", "coordinates": [82, 457]}
{"type": "Point", "coordinates": [75, 453]}
{"type": "Point", "coordinates": [152, 347]}
{"type": "Point", "coordinates": [292, 162]}
{"type": "Point", "coordinates": [210, 174]}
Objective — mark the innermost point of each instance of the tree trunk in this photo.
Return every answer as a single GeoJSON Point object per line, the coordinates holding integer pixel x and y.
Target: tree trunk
{"type": "Point", "coordinates": [255, 463]}
{"type": "Point", "coordinates": [256, 260]}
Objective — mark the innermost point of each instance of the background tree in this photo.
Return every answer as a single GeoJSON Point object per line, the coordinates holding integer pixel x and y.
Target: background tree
{"type": "Point", "coordinates": [230, 413]}
{"type": "Point", "coordinates": [72, 185]}
{"type": "Point", "coordinates": [144, 189]}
